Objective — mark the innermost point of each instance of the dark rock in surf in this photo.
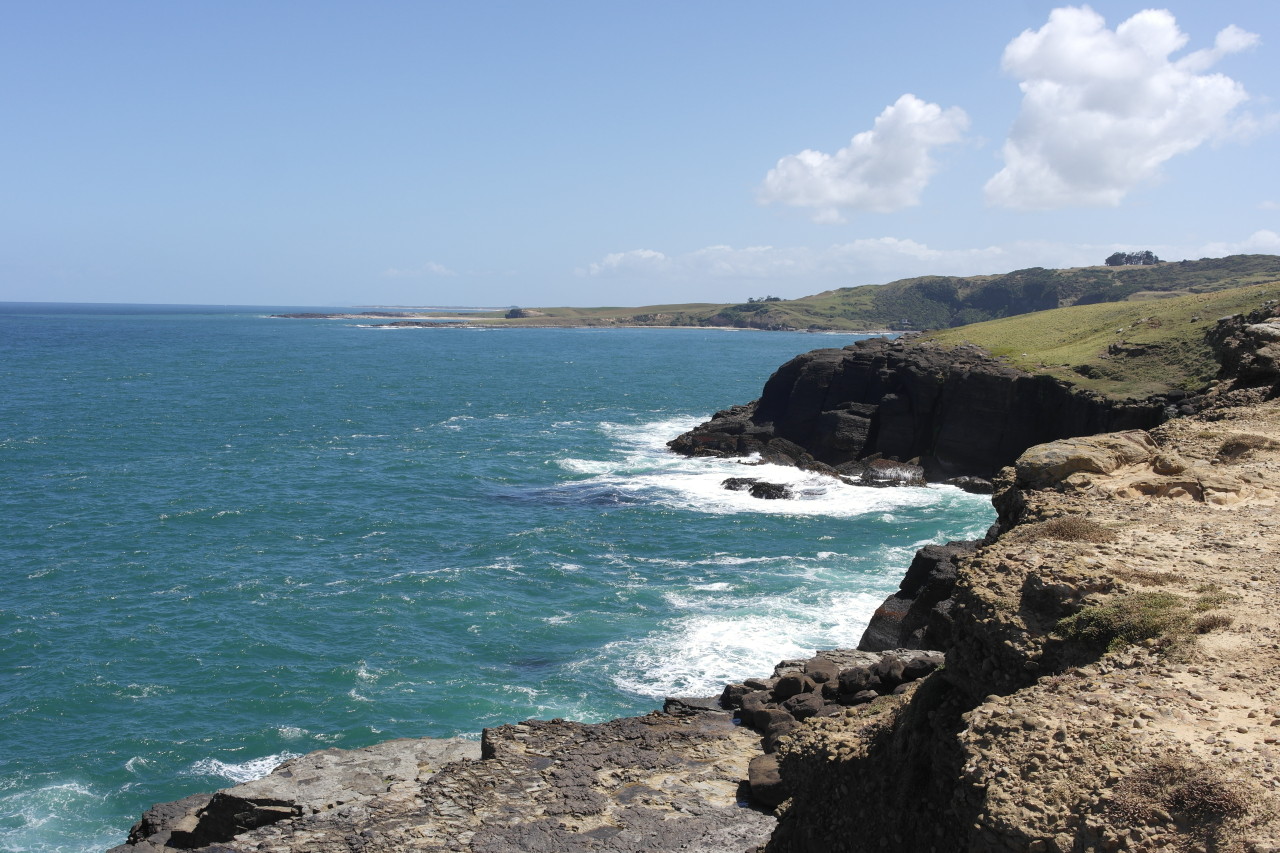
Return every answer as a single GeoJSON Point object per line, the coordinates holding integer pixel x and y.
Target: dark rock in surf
{"type": "Point", "coordinates": [758, 488]}
{"type": "Point", "coordinates": [960, 411]}
{"type": "Point", "coordinates": [917, 616]}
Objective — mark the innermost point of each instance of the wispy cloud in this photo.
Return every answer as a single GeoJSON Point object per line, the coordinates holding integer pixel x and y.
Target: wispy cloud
{"type": "Point", "coordinates": [882, 169]}
{"type": "Point", "coordinates": [882, 259]}
{"type": "Point", "coordinates": [1103, 110]}
{"type": "Point", "coordinates": [857, 262]}
{"type": "Point", "coordinates": [427, 270]}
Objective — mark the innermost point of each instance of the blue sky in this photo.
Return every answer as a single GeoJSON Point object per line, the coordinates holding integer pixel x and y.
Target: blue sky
{"type": "Point", "coordinates": [611, 153]}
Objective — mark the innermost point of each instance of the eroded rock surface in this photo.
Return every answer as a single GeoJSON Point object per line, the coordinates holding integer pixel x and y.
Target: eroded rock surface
{"type": "Point", "coordinates": [658, 782]}
{"type": "Point", "coordinates": [1112, 679]}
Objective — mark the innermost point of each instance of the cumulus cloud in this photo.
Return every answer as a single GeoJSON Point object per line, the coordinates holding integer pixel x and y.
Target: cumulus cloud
{"type": "Point", "coordinates": [882, 169]}
{"type": "Point", "coordinates": [1261, 242]}
{"type": "Point", "coordinates": [1103, 110]}
{"type": "Point", "coordinates": [427, 270]}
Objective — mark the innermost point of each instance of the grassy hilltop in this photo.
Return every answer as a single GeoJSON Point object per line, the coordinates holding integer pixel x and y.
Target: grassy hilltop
{"type": "Point", "coordinates": [1120, 349]}
{"type": "Point", "coordinates": [927, 302]}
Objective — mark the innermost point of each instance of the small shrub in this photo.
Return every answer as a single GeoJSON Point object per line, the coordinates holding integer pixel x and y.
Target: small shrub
{"type": "Point", "coordinates": [1195, 793]}
{"type": "Point", "coordinates": [1130, 619]}
{"type": "Point", "coordinates": [1213, 599]}
{"type": "Point", "coordinates": [1147, 578]}
{"type": "Point", "coordinates": [1240, 443]}
{"type": "Point", "coordinates": [1212, 622]}
{"type": "Point", "coordinates": [1068, 528]}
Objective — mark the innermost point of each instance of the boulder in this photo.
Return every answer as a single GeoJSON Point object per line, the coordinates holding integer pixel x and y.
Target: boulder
{"type": "Point", "coordinates": [1046, 465]}
{"type": "Point", "coordinates": [767, 787]}
{"type": "Point", "coordinates": [821, 670]}
{"type": "Point", "coordinates": [804, 705]}
{"type": "Point", "coordinates": [791, 684]}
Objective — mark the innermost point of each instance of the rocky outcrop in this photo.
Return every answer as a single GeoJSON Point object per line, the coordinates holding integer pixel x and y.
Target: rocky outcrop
{"type": "Point", "coordinates": [1111, 671]}
{"type": "Point", "coordinates": [958, 411]}
{"type": "Point", "coordinates": [1248, 348]}
{"type": "Point", "coordinates": [315, 784]}
{"type": "Point", "coordinates": [665, 781]}
{"type": "Point", "coordinates": [918, 615]}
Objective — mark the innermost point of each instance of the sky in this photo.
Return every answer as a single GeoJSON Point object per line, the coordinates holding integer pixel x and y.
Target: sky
{"type": "Point", "coordinates": [618, 153]}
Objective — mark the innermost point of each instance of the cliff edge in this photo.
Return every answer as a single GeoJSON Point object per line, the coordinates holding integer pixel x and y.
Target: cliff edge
{"type": "Point", "coordinates": [1112, 678]}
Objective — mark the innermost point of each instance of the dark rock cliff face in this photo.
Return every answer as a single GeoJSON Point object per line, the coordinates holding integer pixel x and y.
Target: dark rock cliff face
{"type": "Point", "coordinates": [958, 411]}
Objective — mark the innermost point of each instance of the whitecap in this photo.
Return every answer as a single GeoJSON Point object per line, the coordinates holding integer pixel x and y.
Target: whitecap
{"type": "Point", "coordinates": [245, 771]}
{"type": "Point", "coordinates": [697, 654]}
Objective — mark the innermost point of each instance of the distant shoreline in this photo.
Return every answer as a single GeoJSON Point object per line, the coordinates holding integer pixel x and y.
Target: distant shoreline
{"type": "Point", "coordinates": [433, 321]}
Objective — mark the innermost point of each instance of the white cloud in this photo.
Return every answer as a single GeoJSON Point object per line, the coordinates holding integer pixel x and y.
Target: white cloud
{"type": "Point", "coordinates": [427, 270]}
{"type": "Point", "coordinates": [882, 169]}
{"type": "Point", "coordinates": [864, 261]}
{"type": "Point", "coordinates": [1103, 110]}
{"type": "Point", "coordinates": [1268, 205]}
{"type": "Point", "coordinates": [1261, 242]}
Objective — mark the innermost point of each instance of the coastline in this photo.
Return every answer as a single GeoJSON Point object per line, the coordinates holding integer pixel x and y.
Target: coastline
{"type": "Point", "coordinates": [411, 321]}
{"type": "Point", "coordinates": [1034, 733]}
{"type": "Point", "coordinates": [1060, 721]}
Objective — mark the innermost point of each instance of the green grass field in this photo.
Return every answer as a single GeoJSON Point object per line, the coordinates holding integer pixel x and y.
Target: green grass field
{"type": "Point", "coordinates": [1121, 349]}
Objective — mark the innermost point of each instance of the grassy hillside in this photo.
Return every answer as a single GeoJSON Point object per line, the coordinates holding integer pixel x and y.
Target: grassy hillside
{"type": "Point", "coordinates": [930, 302]}
{"type": "Point", "coordinates": [1121, 349]}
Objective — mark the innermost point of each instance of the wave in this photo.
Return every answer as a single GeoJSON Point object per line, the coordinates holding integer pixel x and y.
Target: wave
{"type": "Point", "coordinates": [697, 654]}
{"type": "Point", "coordinates": [245, 771]}
{"type": "Point", "coordinates": [640, 469]}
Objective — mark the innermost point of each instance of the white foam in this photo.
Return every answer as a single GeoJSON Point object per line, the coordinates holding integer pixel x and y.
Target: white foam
{"type": "Point", "coordinates": [696, 655]}
{"type": "Point", "coordinates": [246, 771]}
{"type": "Point", "coordinates": [643, 469]}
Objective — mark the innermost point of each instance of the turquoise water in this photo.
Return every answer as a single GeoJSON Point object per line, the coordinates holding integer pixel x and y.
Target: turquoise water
{"type": "Point", "coordinates": [231, 539]}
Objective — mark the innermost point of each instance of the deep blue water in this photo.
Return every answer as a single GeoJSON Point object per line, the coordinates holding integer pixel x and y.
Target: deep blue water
{"type": "Point", "coordinates": [229, 539]}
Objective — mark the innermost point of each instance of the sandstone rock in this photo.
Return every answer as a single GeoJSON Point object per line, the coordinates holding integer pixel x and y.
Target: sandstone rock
{"type": "Point", "coordinates": [1049, 464]}
{"type": "Point", "coordinates": [656, 782]}
{"type": "Point", "coordinates": [315, 783]}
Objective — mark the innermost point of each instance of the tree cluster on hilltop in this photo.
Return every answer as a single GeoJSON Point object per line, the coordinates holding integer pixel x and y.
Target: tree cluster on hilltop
{"type": "Point", "coordinates": [1144, 258]}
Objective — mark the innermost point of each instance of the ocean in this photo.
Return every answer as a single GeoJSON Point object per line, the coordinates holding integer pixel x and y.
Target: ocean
{"type": "Point", "coordinates": [231, 539]}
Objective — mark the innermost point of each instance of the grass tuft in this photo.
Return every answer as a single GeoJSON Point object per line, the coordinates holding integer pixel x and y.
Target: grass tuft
{"type": "Point", "coordinates": [1067, 528]}
{"type": "Point", "coordinates": [1130, 619]}
{"type": "Point", "coordinates": [1195, 794]}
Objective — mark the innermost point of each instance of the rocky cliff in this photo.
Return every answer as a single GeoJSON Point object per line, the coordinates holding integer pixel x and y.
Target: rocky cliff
{"type": "Point", "coordinates": [1112, 670]}
{"type": "Point", "coordinates": [958, 411]}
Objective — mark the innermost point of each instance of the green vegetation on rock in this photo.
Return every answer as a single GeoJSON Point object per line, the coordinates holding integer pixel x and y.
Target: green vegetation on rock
{"type": "Point", "coordinates": [1120, 349]}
